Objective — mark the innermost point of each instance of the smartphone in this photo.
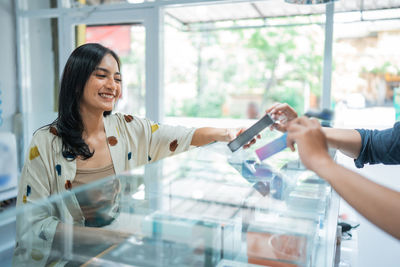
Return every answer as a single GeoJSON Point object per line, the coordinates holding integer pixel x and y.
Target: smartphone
{"type": "Point", "coordinates": [249, 134]}
{"type": "Point", "coordinates": [272, 148]}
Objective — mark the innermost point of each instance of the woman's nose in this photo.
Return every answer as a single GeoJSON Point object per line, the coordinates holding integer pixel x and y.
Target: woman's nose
{"type": "Point", "coordinates": [112, 84]}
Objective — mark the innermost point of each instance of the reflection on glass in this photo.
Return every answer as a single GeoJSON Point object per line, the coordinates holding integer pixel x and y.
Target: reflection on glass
{"type": "Point", "coordinates": [266, 180]}
{"type": "Point", "coordinates": [100, 206]}
{"type": "Point", "coordinates": [193, 209]}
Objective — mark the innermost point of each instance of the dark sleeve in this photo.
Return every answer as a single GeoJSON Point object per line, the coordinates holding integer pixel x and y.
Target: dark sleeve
{"type": "Point", "coordinates": [379, 146]}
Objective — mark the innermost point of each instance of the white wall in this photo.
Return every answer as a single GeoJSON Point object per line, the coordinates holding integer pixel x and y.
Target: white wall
{"type": "Point", "coordinates": [8, 72]}
{"type": "Point", "coordinates": [38, 76]}
{"type": "Point", "coordinates": [38, 97]}
{"type": "Point", "coordinates": [375, 247]}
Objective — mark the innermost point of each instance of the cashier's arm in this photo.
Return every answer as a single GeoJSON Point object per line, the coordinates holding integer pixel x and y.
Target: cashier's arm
{"type": "Point", "coordinates": [377, 203]}
{"type": "Point", "coordinates": [348, 141]}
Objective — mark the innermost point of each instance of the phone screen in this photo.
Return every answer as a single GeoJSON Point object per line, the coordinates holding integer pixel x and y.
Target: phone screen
{"type": "Point", "coordinates": [247, 135]}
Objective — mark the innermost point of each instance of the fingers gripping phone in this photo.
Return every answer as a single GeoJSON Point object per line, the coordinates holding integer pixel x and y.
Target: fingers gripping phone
{"type": "Point", "coordinates": [249, 134]}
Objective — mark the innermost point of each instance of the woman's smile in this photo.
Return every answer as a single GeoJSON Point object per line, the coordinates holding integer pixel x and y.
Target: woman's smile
{"type": "Point", "coordinates": [107, 96]}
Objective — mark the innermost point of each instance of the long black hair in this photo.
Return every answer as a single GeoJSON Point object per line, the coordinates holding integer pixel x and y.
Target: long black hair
{"type": "Point", "coordinates": [69, 126]}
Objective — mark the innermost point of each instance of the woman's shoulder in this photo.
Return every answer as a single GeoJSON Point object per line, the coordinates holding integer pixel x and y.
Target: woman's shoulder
{"type": "Point", "coordinates": [45, 132]}
{"type": "Point", "coordinates": [123, 118]}
{"type": "Point", "coordinates": [45, 135]}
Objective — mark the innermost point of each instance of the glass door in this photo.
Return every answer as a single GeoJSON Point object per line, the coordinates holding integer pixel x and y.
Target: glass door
{"type": "Point", "coordinates": [129, 33]}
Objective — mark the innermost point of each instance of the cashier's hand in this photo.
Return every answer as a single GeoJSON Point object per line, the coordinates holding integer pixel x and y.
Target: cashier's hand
{"type": "Point", "coordinates": [282, 113]}
{"type": "Point", "coordinates": [311, 142]}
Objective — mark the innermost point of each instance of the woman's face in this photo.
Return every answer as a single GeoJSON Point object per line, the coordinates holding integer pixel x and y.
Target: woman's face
{"type": "Point", "coordinates": [103, 87]}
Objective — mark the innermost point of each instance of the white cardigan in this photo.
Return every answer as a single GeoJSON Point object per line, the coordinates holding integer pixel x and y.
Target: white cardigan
{"type": "Point", "coordinates": [132, 142]}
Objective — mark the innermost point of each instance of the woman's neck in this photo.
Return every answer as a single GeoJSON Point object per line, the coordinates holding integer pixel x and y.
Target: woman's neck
{"type": "Point", "coordinates": [92, 123]}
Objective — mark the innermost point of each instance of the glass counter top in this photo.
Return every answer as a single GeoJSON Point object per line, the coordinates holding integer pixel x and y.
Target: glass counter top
{"type": "Point", "coordinates": [204, 207]}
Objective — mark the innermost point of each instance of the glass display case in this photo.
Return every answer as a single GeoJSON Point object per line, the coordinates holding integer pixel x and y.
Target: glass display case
{"type": "Point", "coordinates": [204, 207]}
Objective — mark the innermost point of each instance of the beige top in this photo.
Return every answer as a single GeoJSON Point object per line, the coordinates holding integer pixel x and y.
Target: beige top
{"type": "Point", "coordinates": [99, 205]}
{"type": "Point", "coordinates": [85, 176]}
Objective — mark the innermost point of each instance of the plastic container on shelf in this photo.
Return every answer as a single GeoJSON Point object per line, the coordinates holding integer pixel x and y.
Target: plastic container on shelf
{"type": "Point", "coordinates": [280, 241]}
{"type": "Point", "coordinates": [8, 161]}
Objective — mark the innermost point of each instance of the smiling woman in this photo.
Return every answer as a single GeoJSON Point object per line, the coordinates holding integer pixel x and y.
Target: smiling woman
{"type": "Point", "coordinates": [106, 83]}
{"type": "Point", "coordinates": [85, 143]}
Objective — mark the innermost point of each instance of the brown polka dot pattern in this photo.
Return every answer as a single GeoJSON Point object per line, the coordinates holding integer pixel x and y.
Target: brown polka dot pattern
{"type": "Point", "coordinates": [112, 140]}
{"type": "Point", "coordinates": [53, 130]}
{"type": "Point", "coordinates": [68, 185]}
{"type": "Point", "coordinates": [173, 145]}
{"type": "Point", "coordinates": [128, 118]}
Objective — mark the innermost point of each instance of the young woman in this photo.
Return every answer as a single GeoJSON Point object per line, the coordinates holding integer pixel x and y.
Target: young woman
{"type": "Point", "coordinates": [85, 143]}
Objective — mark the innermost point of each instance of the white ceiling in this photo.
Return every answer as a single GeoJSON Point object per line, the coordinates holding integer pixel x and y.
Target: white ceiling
{"type": "Point", "coordinates": [271, 8]}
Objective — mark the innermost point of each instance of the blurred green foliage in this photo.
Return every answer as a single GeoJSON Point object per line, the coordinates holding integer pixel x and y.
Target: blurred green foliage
{"type": "Point", "coordinates": [387, 67]}
{"type": "Point", "coordinates": [275, 67]}
{"type": "Point", "coordinates": [209, 105]}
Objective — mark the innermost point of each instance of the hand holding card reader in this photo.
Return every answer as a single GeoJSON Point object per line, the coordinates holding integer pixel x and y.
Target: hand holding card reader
{"type": "Point", "coordinates": [249, 134]}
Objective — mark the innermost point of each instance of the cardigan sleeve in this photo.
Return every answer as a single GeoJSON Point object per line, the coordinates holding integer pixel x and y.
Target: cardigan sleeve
{"type": "Point", "coordinates": [379, 146]}
{"type": "Point", "coordinates": [153, 141]}
{"type": "Point", "coordinates": [166, 140]}
{"type": "Point", "coordinates": [36, 223]}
